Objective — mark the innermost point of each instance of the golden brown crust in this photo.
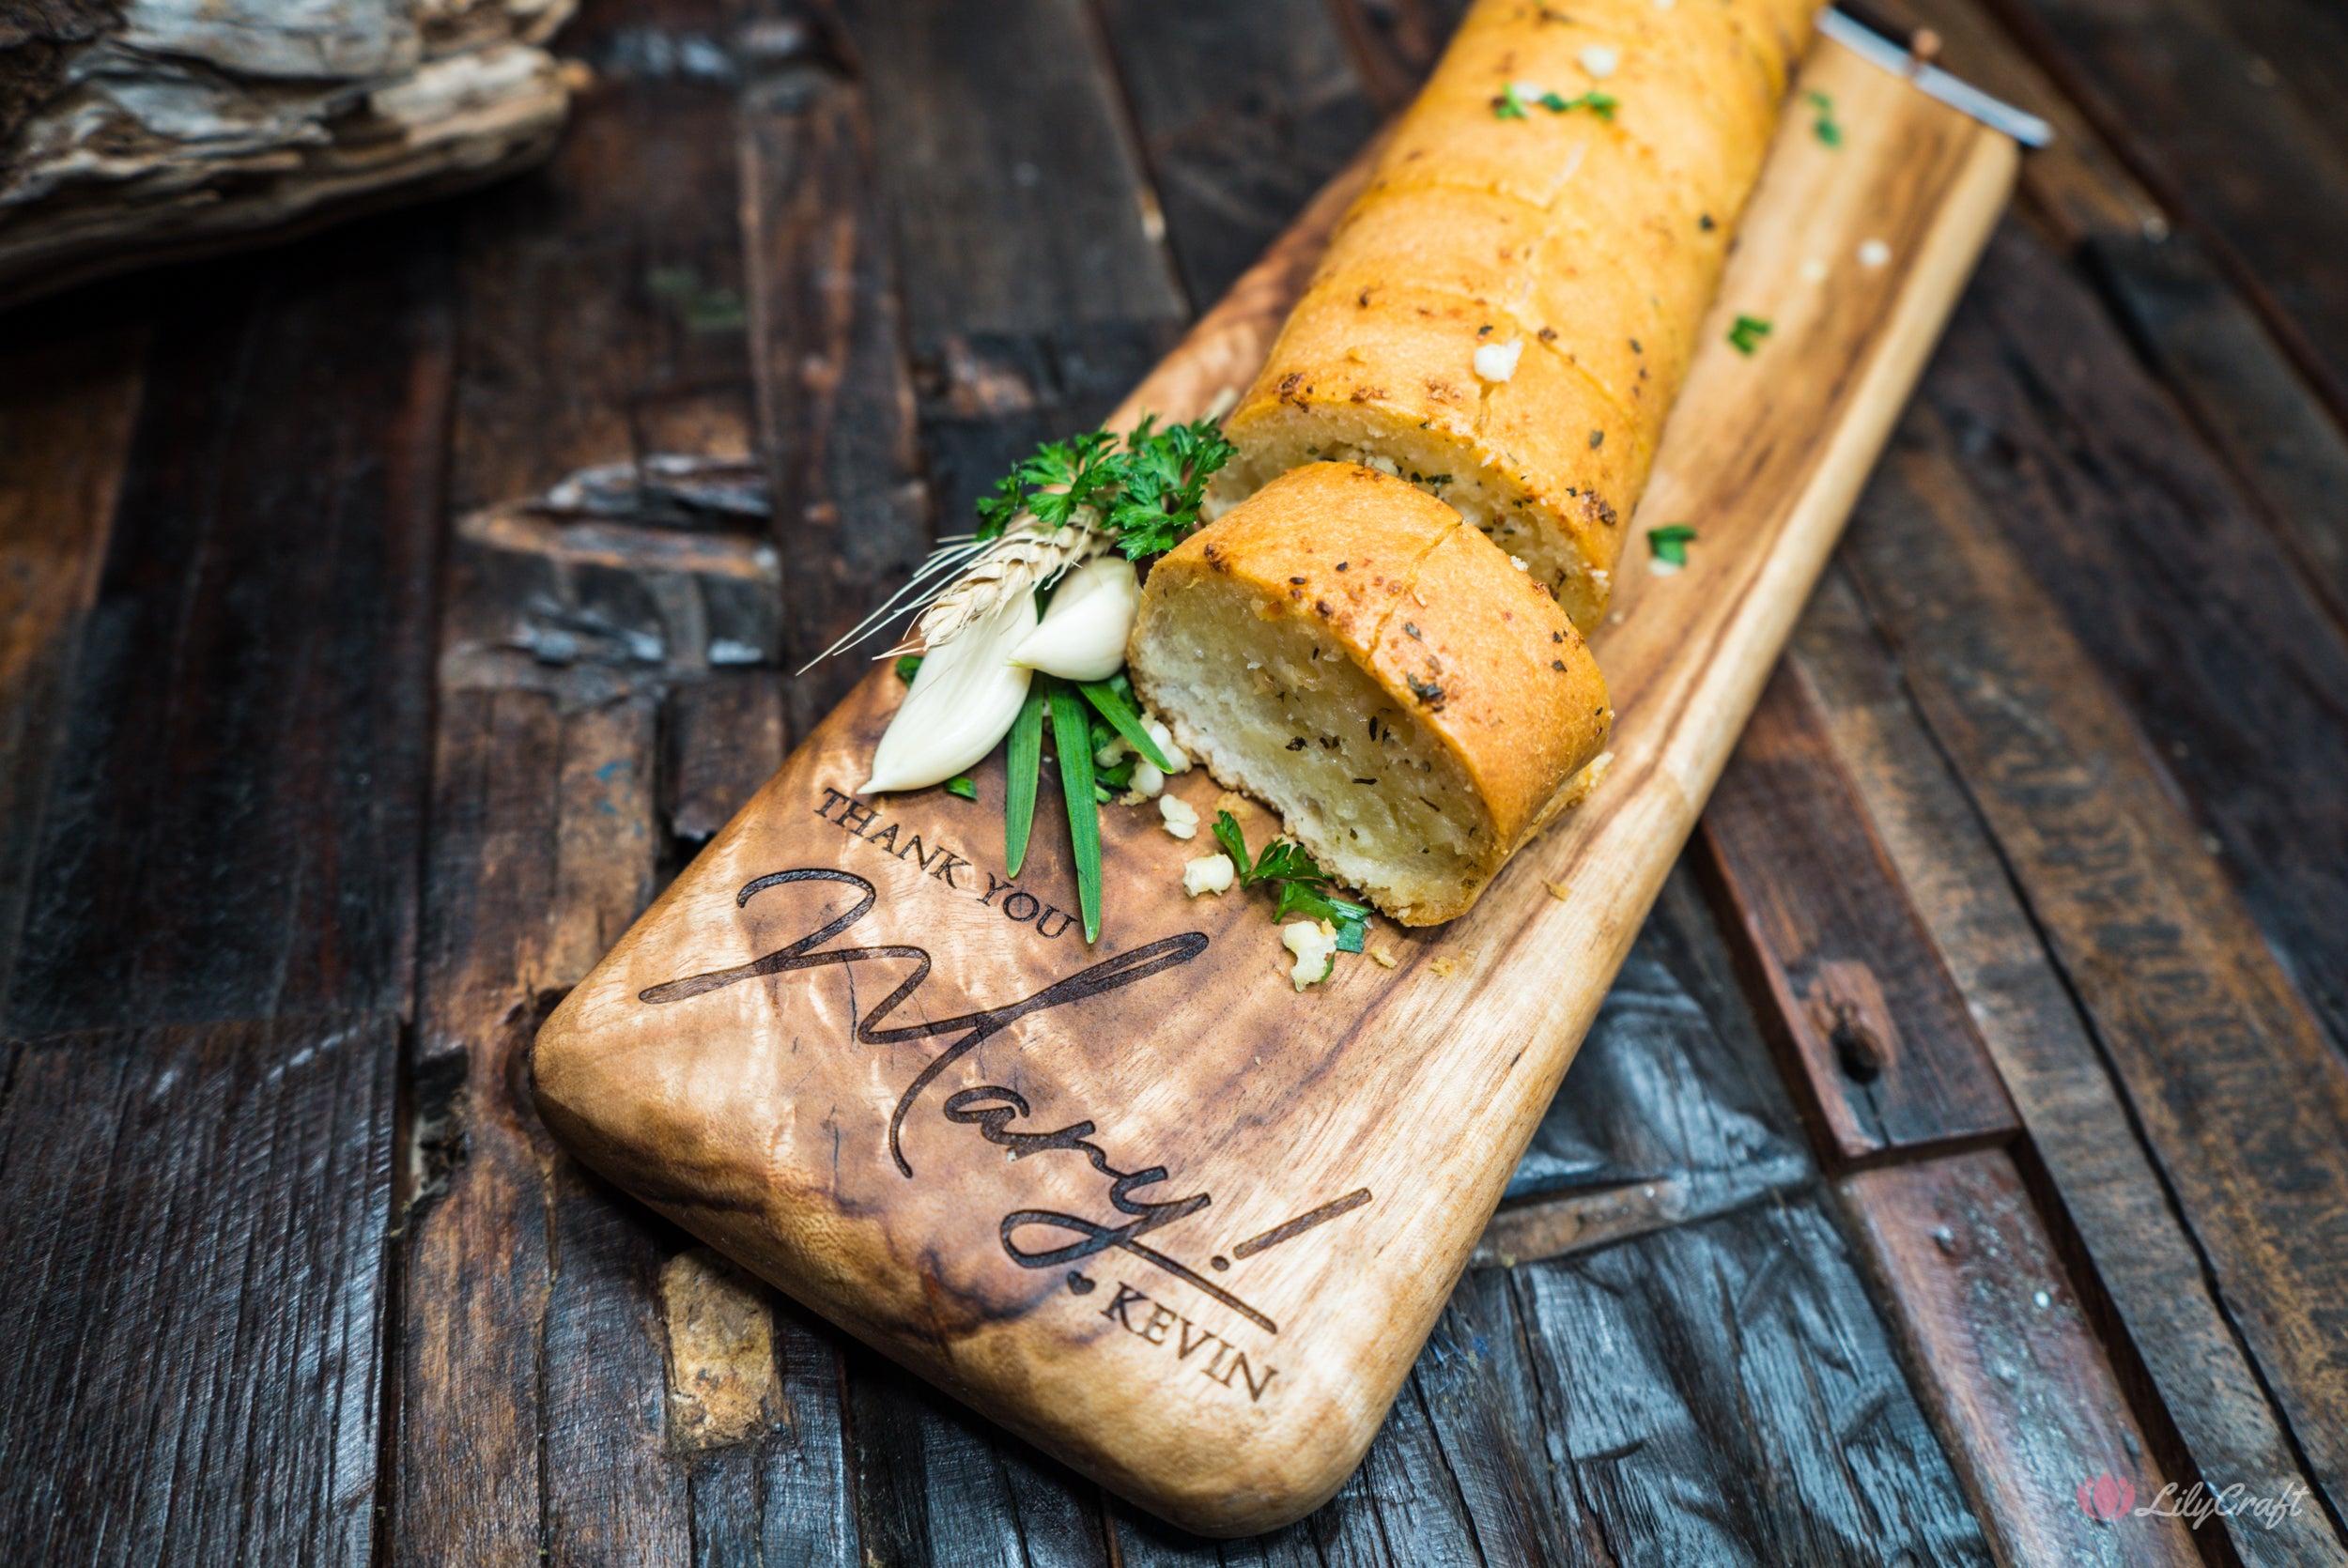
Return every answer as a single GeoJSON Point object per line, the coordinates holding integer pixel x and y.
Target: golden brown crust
{"type": "Point", "coordinates": [1595, 242]}
{"type": "Point", "coordinates": [1435, 614]}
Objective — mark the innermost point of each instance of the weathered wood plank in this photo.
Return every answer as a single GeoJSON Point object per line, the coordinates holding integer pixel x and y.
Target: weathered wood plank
{"type": "Point", "coordinates": [66, 405]}
{"type": "Point", "coordinates": [2007, 1355]}
{"type": "Point", "coordinates": [604, 323]}
{"type": "Point", "coordinates": [2195, 329]}
{"type": "Point", "coordinates": [192, 1242]}
{"type": "Point", "coordinates": [2226, 663]}
{"type": "Point", "coordinates": [726, 736]}
{"type": "Point", "coordinates": [2221, 134]}
{"type": "Point", "coordinates": [1009, 167]}
{"type": "Point", "coordinates": [2279, 441]}
{"type": "Point", "coordinates": [2242, 1100]}
{"type": "Point", "coordinates": [1641, 1351]}
{"type": "Point", "coordinates": [1244, 109]}
{"type": "Point", "coordinates": [938, 1485]}
{"type": "Point", "coordinates": [2190, 1381]}
{"type": "Point", "coordinates": [232, 825]}
{"type": "Point", "coordinates": [836, 405]}
{"type": "Point", "coordinates": [1875, 1031]}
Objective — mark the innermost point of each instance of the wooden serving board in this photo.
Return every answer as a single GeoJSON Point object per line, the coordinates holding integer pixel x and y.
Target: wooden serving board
{"type": "Point", "coordinates": [1142, 1203]}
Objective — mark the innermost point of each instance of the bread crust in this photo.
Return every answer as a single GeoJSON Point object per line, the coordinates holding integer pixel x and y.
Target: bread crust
{"type": "Point", "coordinates": [1433, 613]}
{"type": "Point", "coordinates": [1595, 243]}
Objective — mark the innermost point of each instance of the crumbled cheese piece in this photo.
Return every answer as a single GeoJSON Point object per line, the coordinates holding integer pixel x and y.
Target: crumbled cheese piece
{"type": "Point", "coordinates": [1497, 362]}
{"type": "Point", "coordinates": [1181, 818]}
{"type": "Point", "coordinates": [1208, 873]}
{"type": "Point", "coordinates": [1873, 252]}
{"type": "Point", "coordinates": [1148, 781]}
{"type": "Point", "coordinates": [1527, 92]}
{"type": "Point", "coordinates": [1315, 945]}
{"type": "Point", "coordinates": [1656, 566]}
{"type": "Point", "coordinates": [1111, 754]}
{"type": "Point", "coordinates": [1600, 60]}
{"type": "Point", "coordinates": [1601, 576]}
{"type": "Point", "coordinates": [1157, 732]}
{"type": "Point", "coordinates": [1813, 271]}
{"type": "Point", "coordinates": [1518, 562]}
{"type": "Point", "coordinates": [1382, 463]}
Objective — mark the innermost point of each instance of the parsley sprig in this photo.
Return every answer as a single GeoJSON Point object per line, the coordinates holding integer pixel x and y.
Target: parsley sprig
{"type": "Point", "coordinates": [1304, 887]}
{"type": "Point", "coordinates": [1511, 105]}
{"type": "Point", "coordinates": [1824, 126]}
{"type": "Point", "coordinates": [1669, 544]}
{"type": "Point", "coordinates": [1746, 335]}
{"type": "Point", "coordinates": [1145, 489]}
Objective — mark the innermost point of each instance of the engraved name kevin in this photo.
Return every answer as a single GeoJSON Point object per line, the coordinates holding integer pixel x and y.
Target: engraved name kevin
{"type": "Point", "coordinates": [995, 1111]}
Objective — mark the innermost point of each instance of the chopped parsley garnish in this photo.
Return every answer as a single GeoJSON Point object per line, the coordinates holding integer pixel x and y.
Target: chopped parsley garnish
{"type": "Point", "coordinates": [1304, 887]}
{"type": "Point", "coordinates": [961, 784]}
{"type": "Point", "coordinates": [1669, 544]}
{"type": "Point", "coordinates": [908, 667]}
{"type": "Point", "coordinates": [1747, 335]}
{"type": "Point", "coordinates": [1824, 126]}
{"type": "Point", "coordinates": [1145, 489]}
{"type": "Point", "coordinates": [1511, 103]}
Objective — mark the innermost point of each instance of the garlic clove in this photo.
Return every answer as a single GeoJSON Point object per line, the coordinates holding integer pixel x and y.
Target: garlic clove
{"type": "Point", "coordinates": [1083, 635]}
{"type": "Point", "coordinates": [1156, 731]}
{"type": "Point", "coordinates": [963, 700]}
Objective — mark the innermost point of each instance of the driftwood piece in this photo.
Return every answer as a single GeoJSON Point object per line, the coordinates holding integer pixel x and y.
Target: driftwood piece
{"type": "Point", "coordinates": [1228, 1373]}
{"type": "Point", "coordinates": [135, 131]}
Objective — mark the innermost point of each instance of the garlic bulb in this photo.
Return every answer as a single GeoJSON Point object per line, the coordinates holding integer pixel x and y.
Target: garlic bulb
{"type": "Point", "coordinates": [963, 700]}
{"type": "Point", "coordinates": [1083, 634]}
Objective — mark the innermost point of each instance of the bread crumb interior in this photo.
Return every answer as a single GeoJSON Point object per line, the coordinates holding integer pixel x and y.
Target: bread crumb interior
{"type": "Point", "coordinates": [1276, 709]}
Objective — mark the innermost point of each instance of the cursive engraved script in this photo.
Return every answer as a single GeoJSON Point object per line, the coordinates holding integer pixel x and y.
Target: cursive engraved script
{"type": "Point", "coordinates": [993, 1108]}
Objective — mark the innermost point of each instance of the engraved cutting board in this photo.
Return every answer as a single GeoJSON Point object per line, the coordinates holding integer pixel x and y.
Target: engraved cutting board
{"type": "Point", "coordinates": [1141, 1203]}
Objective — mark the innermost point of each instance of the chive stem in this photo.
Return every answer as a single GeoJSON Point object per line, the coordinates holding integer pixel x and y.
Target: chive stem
{"type": "Point", "coordinates": [1072, 737]}
{"type": "Point", "coordinates": [1024, 765]}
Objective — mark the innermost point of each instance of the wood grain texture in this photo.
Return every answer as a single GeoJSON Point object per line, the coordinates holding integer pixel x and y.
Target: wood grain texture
{"type": "Point", "coordinates": [67, 406]}
{"type": "Point", "coordinates": [232, 824]}
{"type": "Point", "coordinates": [2240, 1096]}
{"type": "Point", "coordinates": [1862, 1001]}
{"type": "Point", "coordinates": [2174, 588]}
{"type": "Point", "coordinates": [1019, 206]}
{"type": "Point", "coordinates": [216, 1401]}
{"type": "Point", "coordinates": [1244, 112]}
{"type": "Point", "coordinates": [527, 1325]}
{"type": "Point", "coordinates": [1490, 1455]}
{"type": "Point", "coordinates": [690, 1115]}
{"type": "Point", "coordinates": [2247, 148]}
{"type": "Point", "coordinates": [2202, 340]}
{"type": "Point", "coordinates": [2017, 1381]}
{"type": "Point", "coordinates": [2190, 1381]}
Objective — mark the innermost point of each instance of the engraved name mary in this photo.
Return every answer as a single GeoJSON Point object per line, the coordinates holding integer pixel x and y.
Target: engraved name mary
{"type": "Point", "coordinates": [1136, 1223]}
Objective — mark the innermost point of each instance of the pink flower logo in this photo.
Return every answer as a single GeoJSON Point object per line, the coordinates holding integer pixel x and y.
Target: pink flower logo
{"type": "Point", "coordinates": [2106, 1498]}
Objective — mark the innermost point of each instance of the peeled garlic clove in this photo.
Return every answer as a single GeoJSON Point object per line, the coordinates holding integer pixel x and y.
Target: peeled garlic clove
{"type": "Point", "coordinates": [1083, 634]}
{"type": "Point", "coordinates": [963, 700]}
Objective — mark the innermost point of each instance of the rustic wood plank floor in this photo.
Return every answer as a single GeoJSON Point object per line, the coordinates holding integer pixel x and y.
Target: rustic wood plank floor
{"type": "Point", "coordinates": [1969, 1121]}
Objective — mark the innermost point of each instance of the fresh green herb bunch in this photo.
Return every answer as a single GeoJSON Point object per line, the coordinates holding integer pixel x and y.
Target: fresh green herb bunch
{"type": "Point", "coordinates": [1304, 887]}
{"type": "Point", "coordinates": [1145, 491]}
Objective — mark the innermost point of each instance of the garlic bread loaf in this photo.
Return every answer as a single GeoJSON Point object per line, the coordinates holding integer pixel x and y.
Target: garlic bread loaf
{"type": "Point", "coordinates": [1504, 317]}
{"type": "Point", "coordinates": [1342, 647]}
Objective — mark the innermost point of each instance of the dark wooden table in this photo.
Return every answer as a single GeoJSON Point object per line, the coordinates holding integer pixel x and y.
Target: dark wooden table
{"type": "Point", "coordinates": [1970, 1122]}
